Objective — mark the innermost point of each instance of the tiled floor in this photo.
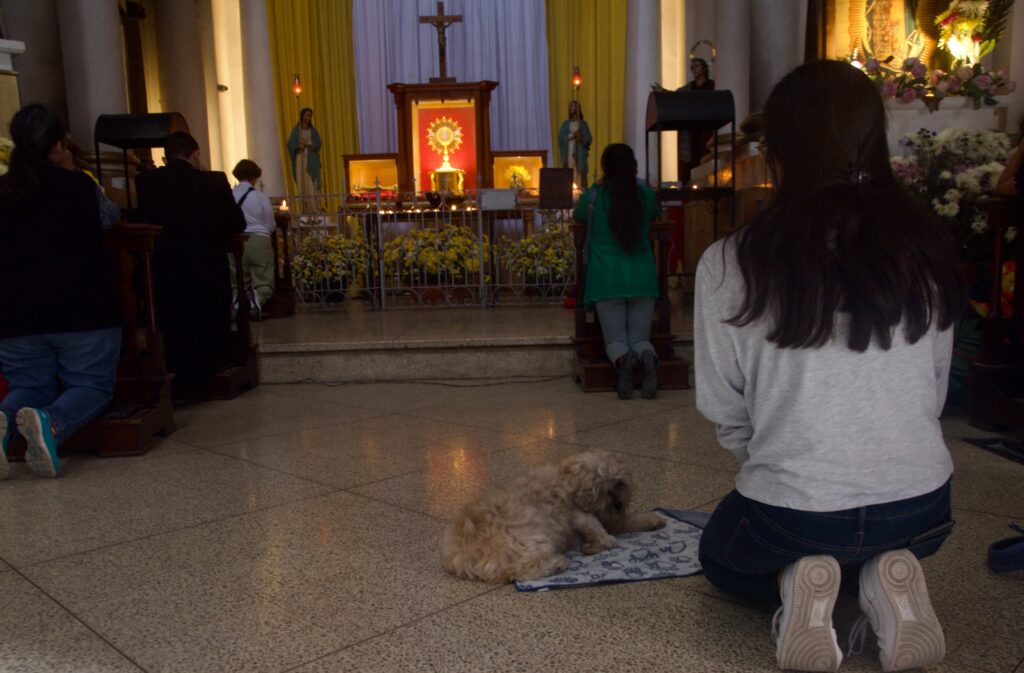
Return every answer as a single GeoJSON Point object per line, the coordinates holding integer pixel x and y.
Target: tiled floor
{"type": "Point", "coordinates": [296, 529]}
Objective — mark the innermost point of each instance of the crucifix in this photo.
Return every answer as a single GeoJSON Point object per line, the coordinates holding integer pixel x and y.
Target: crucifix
{"type": "Point", "coordinates": [441, 21]}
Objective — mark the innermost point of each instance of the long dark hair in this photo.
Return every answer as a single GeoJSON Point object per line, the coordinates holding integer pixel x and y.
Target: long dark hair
{"type": "Point", "coordinates": [626, 213]}
{"type": "Point", "coordinates": [841, 234]}
{"type": "Point", "coordinates": [34, 129]}
{"type": "Point", "coordinates": [302, 113]}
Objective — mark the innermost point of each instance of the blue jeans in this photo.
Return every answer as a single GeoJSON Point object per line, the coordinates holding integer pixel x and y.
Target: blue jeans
{"type": "Point", "coordinates": [747, 543]}
{"type": "Point", "coordinates": [84, 362]}
{"type": "Point", "coordinates": [626, 325]}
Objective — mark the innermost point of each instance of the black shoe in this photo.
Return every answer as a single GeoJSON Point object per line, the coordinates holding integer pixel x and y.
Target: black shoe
{"type": "Point", "coordinates": [626, 365]}
{"type": "Point", "coordinates": [650, 384]}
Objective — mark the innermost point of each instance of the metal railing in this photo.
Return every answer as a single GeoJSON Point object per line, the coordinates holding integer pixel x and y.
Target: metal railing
{"type": "Point", "coordinates": [391, 250]}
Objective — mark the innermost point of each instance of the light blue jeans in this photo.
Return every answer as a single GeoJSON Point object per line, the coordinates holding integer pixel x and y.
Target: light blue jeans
{"type": "Point", "coordinates": [626, 325]}
{"type": "Point", "coordinates": [84, 362]}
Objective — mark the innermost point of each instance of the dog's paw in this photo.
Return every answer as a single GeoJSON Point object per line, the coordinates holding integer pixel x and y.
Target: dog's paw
{"type": "Point", "coordinates": [600, 544]}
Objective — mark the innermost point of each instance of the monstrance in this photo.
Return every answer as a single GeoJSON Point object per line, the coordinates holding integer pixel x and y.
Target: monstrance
{"type": "Point", "coordinates": [444, 135]}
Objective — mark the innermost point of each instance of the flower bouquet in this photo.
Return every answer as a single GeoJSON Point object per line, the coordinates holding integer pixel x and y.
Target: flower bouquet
{"type": "Point", "coordinates": [542, 257]}
{"type": "Point", "coordinates": [327, 260]}
{"type": "Point", "coordinates": [953, 170]}
{"type": "Point", "coordinates": [451, 252]}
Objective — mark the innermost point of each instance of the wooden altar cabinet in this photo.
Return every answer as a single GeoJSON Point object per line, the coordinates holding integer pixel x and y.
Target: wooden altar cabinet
{"type": "Point", "coordinates": [466, 102]}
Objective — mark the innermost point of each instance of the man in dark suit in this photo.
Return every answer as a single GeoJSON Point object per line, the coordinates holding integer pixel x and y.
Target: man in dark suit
{"type": "Point", "coordinates": [190, 265]}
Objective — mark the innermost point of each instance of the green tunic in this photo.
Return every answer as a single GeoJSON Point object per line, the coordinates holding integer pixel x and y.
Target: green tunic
{"type": "Point", "coordinates": [613, 273]}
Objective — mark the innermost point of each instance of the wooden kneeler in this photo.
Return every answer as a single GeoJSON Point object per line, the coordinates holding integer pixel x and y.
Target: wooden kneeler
{"type": "Point", "coordinates": [242, 371]}
{"type": "Point", "coordinates": [142, 408]}
{"type": "Point", "coordinates": [997, 378]}
{"type": "Point", "coordinates": [592, 369]}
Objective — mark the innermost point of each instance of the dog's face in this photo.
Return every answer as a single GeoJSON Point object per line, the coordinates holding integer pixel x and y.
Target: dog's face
{"type": "Point", "coordinates": [597, 483]}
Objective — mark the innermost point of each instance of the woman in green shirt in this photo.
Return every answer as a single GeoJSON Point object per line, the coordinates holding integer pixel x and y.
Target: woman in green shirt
{"type": "Point", "coordinates": [621, 279]}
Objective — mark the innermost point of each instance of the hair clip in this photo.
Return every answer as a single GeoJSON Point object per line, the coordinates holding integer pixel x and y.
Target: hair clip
{"type": "Point", "coordinates": [859, 177]}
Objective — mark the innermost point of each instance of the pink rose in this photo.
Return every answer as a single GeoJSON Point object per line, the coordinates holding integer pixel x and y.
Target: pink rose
{"type": "Point", "coordinates": [888, 89]}
{"type": "Point", "coordinates": [908, 96]}
{"type": "Point", "coordinates": [953, 83]}
{"type": "Point", "coordinates": [983, 82]}
{"type": "Point", "coordinates": [943, 86]}
{"type": "Point", "coordinates": [965, 72]}
{"type": "Point", "coordinates": [919, 70]}
{"type": "Point", "coordinates": [936, 77]}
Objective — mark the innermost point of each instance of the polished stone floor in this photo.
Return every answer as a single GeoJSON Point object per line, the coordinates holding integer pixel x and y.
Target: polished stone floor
{"type": "Point", "coordinates": [296, 529]}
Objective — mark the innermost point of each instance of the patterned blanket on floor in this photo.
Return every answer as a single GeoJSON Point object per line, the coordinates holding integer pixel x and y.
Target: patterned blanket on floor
{"type": "Point", "coordinates": [652, 555]}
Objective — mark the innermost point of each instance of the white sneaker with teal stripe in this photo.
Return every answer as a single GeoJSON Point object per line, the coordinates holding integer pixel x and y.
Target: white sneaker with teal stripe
{"type": "Point", "coordinates": [36, 427]}
{"type": "Point", "coordinates": [6, 432]}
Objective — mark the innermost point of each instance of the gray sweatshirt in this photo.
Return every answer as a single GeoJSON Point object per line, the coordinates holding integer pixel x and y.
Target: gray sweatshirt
{"type": "Point", "coordinates": [818, 429]}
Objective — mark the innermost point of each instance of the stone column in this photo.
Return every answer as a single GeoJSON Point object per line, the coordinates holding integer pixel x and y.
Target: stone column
{"type": "Point", "coordinates": [642, 70]}
{"type": "Point", "coordinates": [732, 67]}
{"type": "Point", "coordinates": [182, 80]}
{"type": "Point", "coordinates": [40, 68]}
{"type": "Point", "coordinates": [262, 133]}
{"type": "Point", "coordinates": [777, 45]}
{"type": "Point", "coordinates": [90, 38]}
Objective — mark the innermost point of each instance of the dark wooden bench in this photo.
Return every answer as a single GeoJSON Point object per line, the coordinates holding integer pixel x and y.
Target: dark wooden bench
{"type": "Point", "coordinates": [282, 303]}
{"type": "Point", "coordinates": [593, 371]}
{"type": "Point", "coordinates": [242, 371]}
{"type": "Point", "coordinates": [142, 408]}
{"type": "Point", "coordinates": [997, 377]}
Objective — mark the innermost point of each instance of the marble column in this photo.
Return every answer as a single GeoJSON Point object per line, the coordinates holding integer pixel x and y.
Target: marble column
{"type": "Point", "coordinates": [182, 79]}
{"type": "Point", "coordinates": [642, 70]}
{"type": "Point", "coordinates": [732, 67]}
{"type": "Point", "coordinates": [90, 38]}
{"type": "Point", "coordinates": [777, 45]}
{"type": "Point", "coordinates": [40, 68]}
{"type": "Point", "coordinates": [262, 133]}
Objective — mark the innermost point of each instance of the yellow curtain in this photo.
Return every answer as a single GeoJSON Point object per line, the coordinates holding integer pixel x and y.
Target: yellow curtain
{"type": "Point", "coordinates": [590, 34]}
{"type": "Point", "coordinates": [313, 38]}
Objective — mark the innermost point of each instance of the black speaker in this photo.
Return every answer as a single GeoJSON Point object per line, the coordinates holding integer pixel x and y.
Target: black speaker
{"type": "Point", "coordinates": [556, 188]}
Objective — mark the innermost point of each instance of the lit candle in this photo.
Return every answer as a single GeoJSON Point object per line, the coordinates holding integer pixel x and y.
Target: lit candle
{"type": "Point", "coordinates": [284, 206]}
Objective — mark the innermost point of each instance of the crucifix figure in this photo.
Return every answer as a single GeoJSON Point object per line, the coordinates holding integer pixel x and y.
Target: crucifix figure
{"type": "Point", "coordinates": [441, 21]}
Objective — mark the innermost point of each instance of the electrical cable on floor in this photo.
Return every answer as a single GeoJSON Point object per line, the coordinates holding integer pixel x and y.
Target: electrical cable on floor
{"type": "Point", "coordinates": [435, 382]}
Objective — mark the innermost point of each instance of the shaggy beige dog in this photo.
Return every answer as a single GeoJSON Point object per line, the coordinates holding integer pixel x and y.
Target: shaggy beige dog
{"type": "Point", "coordinates": [523, 530]}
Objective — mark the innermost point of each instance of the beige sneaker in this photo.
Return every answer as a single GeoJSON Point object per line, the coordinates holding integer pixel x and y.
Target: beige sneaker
{"type": "Point", "coordinates": [804, 637]}
{"type": "Point", "coordinates": [894, 597]}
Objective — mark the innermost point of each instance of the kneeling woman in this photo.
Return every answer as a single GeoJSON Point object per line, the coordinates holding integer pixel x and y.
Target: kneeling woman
{"type": "Point", "coordinates": [621, 280]}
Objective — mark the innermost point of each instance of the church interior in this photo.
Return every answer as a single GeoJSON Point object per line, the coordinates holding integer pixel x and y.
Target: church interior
{"type": "Point", "coordinates": [424, 338]}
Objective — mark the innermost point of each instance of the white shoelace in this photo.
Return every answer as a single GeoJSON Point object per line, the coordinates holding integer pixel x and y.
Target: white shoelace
{"type": "Point", "coordinates": [858, 634]}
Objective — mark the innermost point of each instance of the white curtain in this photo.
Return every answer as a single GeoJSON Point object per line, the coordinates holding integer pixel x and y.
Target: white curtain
{"type": "Point", "coordinates": [498, 40]}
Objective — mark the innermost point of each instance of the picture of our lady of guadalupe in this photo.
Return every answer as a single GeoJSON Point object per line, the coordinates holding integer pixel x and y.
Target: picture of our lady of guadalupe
{"type": "Point", "coordinates": [882, 28]}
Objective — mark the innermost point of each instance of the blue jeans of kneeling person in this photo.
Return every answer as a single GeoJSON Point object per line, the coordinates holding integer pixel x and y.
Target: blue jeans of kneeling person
{"type": "Point", "coordinates": [84, 363]}
{"type": "Point", "coordinates": [626, 325]}
{"type": "Point", "coordinates": [746, 543]}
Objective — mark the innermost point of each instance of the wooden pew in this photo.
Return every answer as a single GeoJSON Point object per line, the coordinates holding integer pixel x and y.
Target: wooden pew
{"type": "Point", "coordinates": [142, 408]}
{"type": "Point", "coordinates": [242, 371]}
{"type": "Point", "coordinates": [282, 303]}
{"type": "Point", "coordinates": [593, 371]}
{"type": "Point", "coordinates": [997, 399]}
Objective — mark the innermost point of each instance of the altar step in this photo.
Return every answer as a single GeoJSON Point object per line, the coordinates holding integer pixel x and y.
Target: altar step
{"type": "Point", "coordinates": [431, 359]}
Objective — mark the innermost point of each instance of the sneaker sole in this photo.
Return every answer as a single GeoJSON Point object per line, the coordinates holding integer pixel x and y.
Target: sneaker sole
{"type": "Point", "coordinates": [919, 640]}
{"type": "Point", "coordinates": [37, 455]}
{"type": "Point", "coordinates": [5, 467]}
{"type": "Point", "coordinates": [809, 643]}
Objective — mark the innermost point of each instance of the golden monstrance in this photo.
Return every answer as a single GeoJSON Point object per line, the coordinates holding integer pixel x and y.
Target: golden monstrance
{"type": "Point", "coordinates": [444, 135]}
